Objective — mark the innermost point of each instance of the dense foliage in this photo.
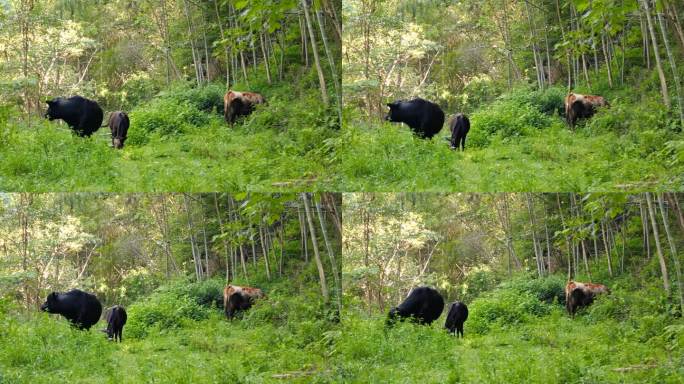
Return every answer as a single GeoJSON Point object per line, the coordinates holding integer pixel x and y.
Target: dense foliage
{"type": "Point", "coordinates": [508, 257]}
{"type": "Point", "coordinates": [169, 64]}
{"type": "Point", "coordinates": [508, 65]}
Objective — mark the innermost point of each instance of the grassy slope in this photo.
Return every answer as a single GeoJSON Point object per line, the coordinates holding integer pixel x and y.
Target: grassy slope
{"type": "Point", "coordinates": [38, 349]}
{"type": "Point", "coordinates": [551, 349]}
{"type": "Point", "coordinates": [385, 157]}
{"type": "Point", "coordinates": [284, 145]}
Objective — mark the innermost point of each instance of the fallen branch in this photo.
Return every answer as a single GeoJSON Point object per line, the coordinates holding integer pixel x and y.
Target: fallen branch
{"type": "Point", "coordinates": [293, 374]}
{"type": "Point", "coordinates": [293, 182]}
{"type": "Point", "coordinates": [635, 367]}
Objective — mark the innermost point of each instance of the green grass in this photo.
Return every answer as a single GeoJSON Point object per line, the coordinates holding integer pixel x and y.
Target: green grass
{"type": "Point", "coordinates": [387, 157]}
{"type": "Point", "coordinates": [178, 142]}
{"type": "Point", "coordinates": [171, 338]}
{"type": "Point", "coordinates": [552, 349]}
{"type": "Point", "coordinates": [39, 349]}
{"type": "Point", "coordinates": [512, 337]}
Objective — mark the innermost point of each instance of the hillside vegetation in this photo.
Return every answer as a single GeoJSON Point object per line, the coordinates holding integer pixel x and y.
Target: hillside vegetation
{"type": "Point", "coordinates": [513, 336]}
{"type": "Point", "coordinates": [508, 66]}
{"type": "Point", "coordinates": [168, 64]}
{"type": "Point", "coordinates": [508, 257]}
{"type": "Point", "coordinates": [174, 336]}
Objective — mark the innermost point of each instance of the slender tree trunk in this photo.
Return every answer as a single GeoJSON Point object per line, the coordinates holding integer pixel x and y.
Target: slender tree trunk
{"type": "Point", "coordinates": [195, 57]}
{"type": "Point", "coordinates": [263, 250]}
{"type": "Point", "coordinates": [606, 247]}
{"type": "Point", "coordinates": [226, 52]}
{"type": "Point", "coordinates": [673, 67]}
{"type": "Point", "coordinates": [659, 250]}
{"type": "Point", "coordinates": [314, 243]}
{"type": "Point", "coordinates": [223, 238]}
{"type": "Point", "coordinates": [333, 261]}
{"type": "Point", "coordinates": [659, 67]}
{"type": "Point", "coordinates": [333, 67]}
{"type": "Point", "coordinates": [314, 50]}
{"type": "Point", "coordinates": [263, 51]}
{"type": "Point", "coordinates": [673, 252]}
{"type": "Point", "coordinates": [586, 262]}
{"type": "Point", "coordinates": [194, 249]}
{"type": "Point", "coordinates": [282, 249]}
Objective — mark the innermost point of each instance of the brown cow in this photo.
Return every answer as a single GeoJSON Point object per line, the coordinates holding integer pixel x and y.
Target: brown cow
{"type": "Point", "coordinates": [581, 106]}
{"type": "Point", "coordinates": [240, 104]}
{"type": "Point", "coordinates": [236, 298]}
{"type": "Point", "coordinates": [581, 295]}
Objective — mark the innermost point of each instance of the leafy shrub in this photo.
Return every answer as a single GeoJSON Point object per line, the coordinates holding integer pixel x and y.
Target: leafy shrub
{"type": "Point", "coordinates": [137, 88]}
{"type": "Point", "coordinates": [609, 307]}
{"type": "Point", "coordinates": [477, 283]}
{"type": "Point", "coordinates": [506, 119]}
{"type": "Point", "coordinates": [550, 101]}
{"type": "Point", "coordinates": [547, 289]}
{"type": "Point", "coordinates": [502, 308]}
{"type": "Point", "coordinates": [208, 98]}
{"type": "Point", "coordinates": [165, 117]}
{"type": "Point", "coordinates": [162, 311]}
{"type": "Point", "coordinates": [135, 284]}
{"type": "Point", "coordinates": [207, 293]}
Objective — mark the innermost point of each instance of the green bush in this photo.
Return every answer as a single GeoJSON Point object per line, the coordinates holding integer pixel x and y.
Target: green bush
{"type": "Point", "coordinates": [548, 289]}
{"type": "Point", "coordinates": [503, 308]}
{"type": "Point", "coordinates": [207, 293]}
{"type": "Point", "coordinates": [506, 119]}
{"type": "Point", "coordinates": [164, 117]}
{"type": "Point", "coordinates": [208, 98]}
{"type": "Point", "coordinates": [477, 283]}
{"type": "Point", "coordinates": [162, 311]}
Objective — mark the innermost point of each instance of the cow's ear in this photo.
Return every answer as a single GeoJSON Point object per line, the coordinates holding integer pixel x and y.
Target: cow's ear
{"type": "Point", "coordinates": [49, 102]}
{"type": "Point", "coordinates": [391, 105]}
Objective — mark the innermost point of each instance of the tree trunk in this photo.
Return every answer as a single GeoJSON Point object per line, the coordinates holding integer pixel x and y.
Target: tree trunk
{"type": "Point", "coordinates": [226, 55]}
{"type": "Point", "coordinates": [263, 250]}
{"type": "Point", "coordinates": [333, 68]}
{"type": "Point", "coordinates": [195, 251]}
{"type": "Point", "coordinates": [673, 67]}
{"type": "Point", "coordinates": [263, 51]}
{"type": "Point", "coordinates": [314, 50]}
{"type": "Point", "coordinates": [659, 67]}
{"type": "Point", "coordinates": [673, 252]}
{"type": "Point", "coordinates": [659, 250]}
{"type": "Point", "coordinates": [314, 243]}
{"type": "Point", "coordinates": [223, 238]}
{"type": "Point", "coordinates": [333, 261]}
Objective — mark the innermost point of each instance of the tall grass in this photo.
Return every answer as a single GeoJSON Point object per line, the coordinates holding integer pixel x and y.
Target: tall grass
{"type": "Point", "coordinates": [512, 336]}
{"type": "Point", "coordinates": [520, 142]}
{"type": "Point", "coordinates": [178, 335]}
{"type": "Point", "coordinates": [178, 141]}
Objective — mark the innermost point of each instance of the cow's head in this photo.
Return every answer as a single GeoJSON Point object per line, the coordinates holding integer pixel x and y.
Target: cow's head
{"type": "Point", "coordinates": [392, 114]}
{"type": "Point", "coordinates": [52, 112]}
{"type": "Point", "coordinates": [118, 142]}
{"type": "Point", "coordinates": [50, 304]}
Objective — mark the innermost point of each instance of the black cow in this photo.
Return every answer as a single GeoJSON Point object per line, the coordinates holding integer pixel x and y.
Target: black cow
{"type": "Point", "coordinates": [82, 115]}
{"type": "Point", "coordinates": [82, 309]}
{"type": "Point", "coordinates": [425, 118]}
{"type": "Point", "coordinates": [118, 124]}
{"type": "Point", "coordinates": [423, 305]}
{"type": "Point", "coordinates": [459, 126]}
{"type": "Point", "coordinates": [116, 319]}
{"type": "Point", "coordinates": [458, 314]}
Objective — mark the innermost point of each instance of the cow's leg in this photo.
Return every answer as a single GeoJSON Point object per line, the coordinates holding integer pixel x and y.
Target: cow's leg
{"type": "Point", "coordinates": [460, 329]}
